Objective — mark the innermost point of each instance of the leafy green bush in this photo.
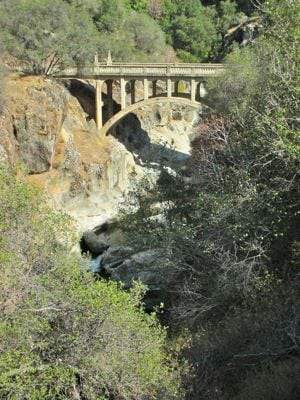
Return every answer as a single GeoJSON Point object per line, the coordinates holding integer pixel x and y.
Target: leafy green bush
{"type": "Point", "coordinates": [63, 334]}
{"type": "Point", "coordinates": [46, 36]}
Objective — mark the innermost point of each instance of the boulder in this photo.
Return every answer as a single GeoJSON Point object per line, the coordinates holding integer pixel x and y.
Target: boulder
{"type": "Point", "coordinates": [36, 154]}
{"type": "Point", "coordinates": [93, 243]}
{"type": "Point", "coordinates": [145, 266]}
{"type": "Point", "coordinates": [114, 257]}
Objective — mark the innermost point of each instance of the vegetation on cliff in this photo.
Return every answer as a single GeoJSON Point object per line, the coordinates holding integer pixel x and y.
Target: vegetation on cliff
{"type": "Point", "coordinates": [47, 36]}
{"type": "Point", "coordinates": [230, 225]}
{"type": "Point", "coordinates": [64, 335]}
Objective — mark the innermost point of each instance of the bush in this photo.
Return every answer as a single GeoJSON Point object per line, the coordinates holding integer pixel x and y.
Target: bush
{"type": "Point", "coordinates": [64, 334]}
{"type": "Point", "coordinates": [46, 37]}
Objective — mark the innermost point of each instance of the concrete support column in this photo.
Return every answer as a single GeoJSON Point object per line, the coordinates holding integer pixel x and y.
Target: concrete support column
{"type": "Point", "coordinates": [176, 89]}
{"type": "Point", "coordinates": [123, 93]}
{"type": "Point", "coordinates": [202, 90]}
{"type": "Point", "coordinates": [146, 89]}
{"type": "Point", "coordinates": [99, 104]}
{"type": "Point", "coordinates": [132, 84]}
{"type": "Point", "coordinates": [169, 87]}
{"type": "Point", "coordinates": [110, 101]}
{"type": "Point", "coordinates": [154, 88]}
{"type": "Point", "coordinates": [193, 89]}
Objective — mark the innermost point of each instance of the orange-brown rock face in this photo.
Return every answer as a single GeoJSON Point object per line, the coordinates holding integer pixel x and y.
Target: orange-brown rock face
{"type": "Point", "coordinates": [46, 129]}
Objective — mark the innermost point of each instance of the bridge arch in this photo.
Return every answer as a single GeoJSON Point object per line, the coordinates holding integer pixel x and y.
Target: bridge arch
{"type": "Point", "coordinates": [115, 119]}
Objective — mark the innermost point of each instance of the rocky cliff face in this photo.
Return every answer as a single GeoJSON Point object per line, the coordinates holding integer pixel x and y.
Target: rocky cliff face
{"type": "Point", "coordinates": [49, 127]}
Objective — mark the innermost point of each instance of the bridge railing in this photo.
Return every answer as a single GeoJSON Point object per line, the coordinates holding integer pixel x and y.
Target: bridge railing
{"type": "Point", "coordinates": [163, 70]}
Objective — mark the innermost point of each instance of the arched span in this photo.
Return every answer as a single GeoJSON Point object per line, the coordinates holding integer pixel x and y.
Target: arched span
{"type": "Point", "coordinates": [121, 114]}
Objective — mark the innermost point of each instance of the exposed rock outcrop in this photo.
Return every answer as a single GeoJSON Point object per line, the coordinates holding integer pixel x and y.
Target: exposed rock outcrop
{"type": "Point", "coordinates": [54, 135]}
{"type": "Point", "coordinates": [150, 267]}
{"type": "Point", "coordinates": [93, 243]}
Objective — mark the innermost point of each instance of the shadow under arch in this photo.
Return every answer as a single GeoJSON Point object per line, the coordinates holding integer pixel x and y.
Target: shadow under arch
{"type": "Point", "coordinates": [115, 119]}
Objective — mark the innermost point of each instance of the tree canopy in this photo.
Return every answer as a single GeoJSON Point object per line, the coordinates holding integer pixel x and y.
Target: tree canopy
{"type": "Point", "coordinates": [45, 36]}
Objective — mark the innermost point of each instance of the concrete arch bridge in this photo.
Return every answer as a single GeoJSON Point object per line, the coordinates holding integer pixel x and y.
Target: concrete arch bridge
{"type": "Point", "coordinates": [127, 74]}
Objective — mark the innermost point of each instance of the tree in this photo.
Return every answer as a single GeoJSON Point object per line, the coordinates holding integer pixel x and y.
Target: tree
{"type": "Point", "coordinates": [46, 37]}
{"type": "Point", "coordinates": [64, 334]}
{"type": "Point", "coordinates": [229, 224]}
{"type": "Point", "coordinates": [190, 28]}
{"type": "Point", "coordinates": [146, 34]}
{"type": "Point", "coordinates": [156, 8]}
{"type": "Point", "coordinates": [137, 5]}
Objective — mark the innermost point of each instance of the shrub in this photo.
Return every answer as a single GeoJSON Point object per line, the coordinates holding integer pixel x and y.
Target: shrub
{"type": "Point", "coordinates": [46, 36]}
{"type": "Point", "coordinates": [63, 333]}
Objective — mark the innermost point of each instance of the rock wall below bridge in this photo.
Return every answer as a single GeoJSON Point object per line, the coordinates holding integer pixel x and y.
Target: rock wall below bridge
{"type": "Point", "coordinates": [45, 128]}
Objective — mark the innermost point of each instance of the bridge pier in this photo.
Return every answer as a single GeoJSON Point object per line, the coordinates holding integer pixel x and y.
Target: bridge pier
{"type": "Point", "coordinates": [99, 104]}
{"type": "Point", "coordinates": [146, 89]}
{"type": "Point", "coordinates": [193, 89]}
{"type": "Point", "coordinates": [202, 90]}
{"type": "Point", "coordinates": [110, 102]}
{"type": "Point", "coordinates": [154, 88]}
{"type": "Point", "coordinates": [132, 85]}
{"type": "Point", "coordinates": [169, 87]}
{"type": "Point", "coordinates": [123, 93]}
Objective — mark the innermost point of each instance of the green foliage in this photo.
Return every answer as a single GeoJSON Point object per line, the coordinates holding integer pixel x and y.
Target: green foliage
{"type": "Point", "coordinates": [228, 16]}
{"type": "Point", "coordinates": [47, 36]}
{"type": "Point", "coordinates": [232, 233]}
{"type": "Point", "coordinates": [63, 333]}
{"type": "Point", "coordinates": [190, 28]}
{"type": "Point", "coordinates": [137, 5]}
{"type": "Point", "coordinates": [63, 33]}
{"type": "Point", "coordinates": [108, 15]}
